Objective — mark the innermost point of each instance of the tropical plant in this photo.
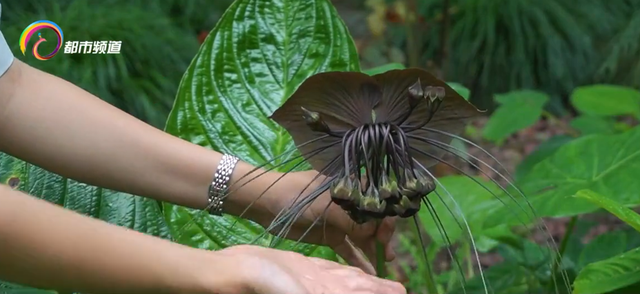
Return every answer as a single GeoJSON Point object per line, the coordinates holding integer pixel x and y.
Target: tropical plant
{"type": "Point", "coordinates": [498, 46]}
{"type": "Point", "coordinates": [142, 80]}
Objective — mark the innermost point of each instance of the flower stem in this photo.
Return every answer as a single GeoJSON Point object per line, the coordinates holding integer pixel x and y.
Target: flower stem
{"type": "Point", "coordinates": [432, 286]}
{"type": "Point", "coordinates": [381, 257]}
{"type": "Point", "coordinates": [381, 268]}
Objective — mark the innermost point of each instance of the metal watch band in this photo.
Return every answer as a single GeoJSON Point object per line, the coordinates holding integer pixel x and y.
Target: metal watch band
{"type": "Point", "coordinates": [220, 183]}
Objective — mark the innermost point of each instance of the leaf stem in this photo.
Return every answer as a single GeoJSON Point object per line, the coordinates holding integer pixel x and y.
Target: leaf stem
{"type": "Point", "coordinates": [413, 46]}
{"type": "Point", "coordinates": [444, 38]}
{"type": "Point", "coordinates": [469, 260]}
{"type": "Point", "coordinates": [563, 246]}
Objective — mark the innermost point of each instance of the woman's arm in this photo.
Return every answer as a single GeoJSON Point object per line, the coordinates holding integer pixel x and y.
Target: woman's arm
{"type": "Point", "coordinates": [54, 124]}
{"type": "Point", "coordinates": [46, 246]}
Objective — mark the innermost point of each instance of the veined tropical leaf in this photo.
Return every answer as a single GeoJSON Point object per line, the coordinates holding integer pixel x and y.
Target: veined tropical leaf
{"type": "Point", "coordinates": [253, 60]}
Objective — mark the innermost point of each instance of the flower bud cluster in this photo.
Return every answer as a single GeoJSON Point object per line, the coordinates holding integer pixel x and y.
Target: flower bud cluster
{"type": "Point", "coordinates": [387, 198]}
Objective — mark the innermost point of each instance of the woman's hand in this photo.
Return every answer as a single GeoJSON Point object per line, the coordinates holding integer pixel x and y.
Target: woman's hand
{"type": "Point", "coordinates": [83, 254]}
{"type": "Point", "coordinates": [272, 271]}
{"type": "Point", "coordinates": [325, 223]}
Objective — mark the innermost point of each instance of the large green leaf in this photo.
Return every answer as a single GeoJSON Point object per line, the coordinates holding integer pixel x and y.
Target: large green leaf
{"type": "Point", "coordinates": [609, 274]}
{"type": "Point", "coordinates": [625, 214]}
{"type": "Point", "coordinates": [464, 199]}
{"type": "Point", "coordinates": [253, 60]}
{"type": "Point", "coordinates": [606, 100]}
{"type": "Point", "coordinates": [384, 68]}
{"type": "Point", "coordinates": [141, 214]}
{"type": "Point", "coordinates": [460, 197]}
{"type": "Point", "coordinates": [503, 278]}
{"type": "Point", "coordinates": [523, 271]}
{"type": "Point", "coordinates": [606, 164]}
{"type": "Point", "coordinates": [517, 110]}
{"type": "Point", "coordinates": [544, 150]}
{"type": "Point", "coordinates": [591, 124]}
{"type": "Point", "coordinates": [9, 288]}
{"type": "Point", "coordinates": [25, 290]}
{"type": "Point", "coordinates": [602, 247]}
{"type": "Point", "coordinates": [462, 90]}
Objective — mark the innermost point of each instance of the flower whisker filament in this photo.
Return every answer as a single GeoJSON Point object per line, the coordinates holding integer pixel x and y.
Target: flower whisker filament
{"type": "Point", "coordinates": [378, 178]}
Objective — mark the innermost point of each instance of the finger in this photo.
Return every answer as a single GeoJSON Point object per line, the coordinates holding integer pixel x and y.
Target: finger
{"type": "Point", "coordinates": [327, 264]}
{"type": "Point", "coordinates": [388, 286]}
{"type": "Point", "coordinates": [385, 230]}
{"type": "Point", "coordinates": [340, 219]}
{"type": "Point", "coordinates": [395, 287]}
{"type": "Point", "coordinates": [368, 247]}
{"type": "Point", "coordinates": [384, 234]}
{"type": "Point", "coordinates": [372, 284]}
{"type": "Point", "coordinates": [353, 256]}
{"type": "Point", "coordinates": [389, 253]}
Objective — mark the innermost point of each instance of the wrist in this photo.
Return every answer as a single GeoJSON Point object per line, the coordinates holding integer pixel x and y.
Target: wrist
{"type": "Point", "coordinates": [253, 194]}
{"type": "Point", "coordinates": [282, 190]}
{"type": "Point", "coordinates": [213, 272]}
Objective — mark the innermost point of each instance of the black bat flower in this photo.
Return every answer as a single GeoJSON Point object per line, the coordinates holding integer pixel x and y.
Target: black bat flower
{"type": "Point", "coordinates": [375, 136]}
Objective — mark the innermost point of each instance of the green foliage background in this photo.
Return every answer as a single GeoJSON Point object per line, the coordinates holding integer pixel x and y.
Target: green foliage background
{"type": "Point", "coordinates": [159, 40]}
{"type": "Point", "coordinates": [493, 46]}
{"type": "Point", "coordinates": [497, 46]}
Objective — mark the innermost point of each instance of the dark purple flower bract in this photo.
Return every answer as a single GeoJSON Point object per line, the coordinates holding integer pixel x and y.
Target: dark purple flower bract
{"type": "Point", "coordinates": [373, 135]}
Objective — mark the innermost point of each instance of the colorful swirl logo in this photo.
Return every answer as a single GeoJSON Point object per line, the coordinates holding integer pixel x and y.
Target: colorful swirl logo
{"type": "Point", "coordinates": [35, 27]}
